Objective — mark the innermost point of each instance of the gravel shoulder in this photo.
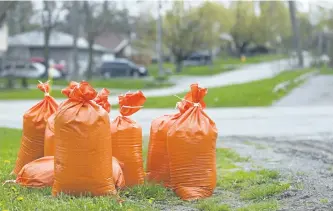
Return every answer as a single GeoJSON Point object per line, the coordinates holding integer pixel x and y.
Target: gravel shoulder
{"type": "Point", "coordinates": [306, 162]}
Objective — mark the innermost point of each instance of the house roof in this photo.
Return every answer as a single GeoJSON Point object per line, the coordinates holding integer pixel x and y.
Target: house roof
{"type": "Point", "coordinates": [113, 41]}
{"type": "Point", "coordinates": [57, 39]}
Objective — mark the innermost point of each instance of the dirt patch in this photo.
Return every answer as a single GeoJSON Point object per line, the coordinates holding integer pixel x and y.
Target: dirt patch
{"type": "Point", "coordinates": [307, 163]}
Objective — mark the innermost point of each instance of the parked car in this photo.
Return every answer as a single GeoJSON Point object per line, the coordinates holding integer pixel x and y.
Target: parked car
{"type": "Point", "coordinates": [60, 67]}
{"type": "Point", "coordinates": [122, 68]}
{"type": "Point", "coordinates": [197, 59]}
{"type": "Point", "coordinates": [30, 70]}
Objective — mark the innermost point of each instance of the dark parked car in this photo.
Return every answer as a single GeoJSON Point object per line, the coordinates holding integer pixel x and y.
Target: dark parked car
{"type": "Point", "coordinates": [122, 68]}
{"type": "Point", "coordinates": [197, 59]}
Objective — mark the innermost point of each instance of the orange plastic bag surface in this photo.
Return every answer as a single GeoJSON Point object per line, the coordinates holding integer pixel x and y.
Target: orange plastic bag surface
{"type": "Point", "coordinates": [49, 143]}
{"type": "Point", "coordinates": [38, 173]}
{"type": "Point", "coordinates": [34, 123]}
{"type": "Point", "coordinates": [191, 145]}
{"type": "Point", "coordinates": [118, 175]}
{"type": "Point", "coordinates": [83, 152]}
{"type": "Point", "coordinates": [127, 138]}
{"type": "Point", "coordinates": [158, 161]}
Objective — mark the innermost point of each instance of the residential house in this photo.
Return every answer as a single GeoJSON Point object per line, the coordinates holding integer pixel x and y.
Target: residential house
{"type": "Point", "coordinates": [60, 45]}
{"type": "Point", "coordinates": [124, 46]}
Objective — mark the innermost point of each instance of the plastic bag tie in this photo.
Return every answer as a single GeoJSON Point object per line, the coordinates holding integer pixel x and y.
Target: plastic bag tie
{"type": "Point", "coordinates": [45, 92]}
{"type": "Point", "coordinates": [194, 104]}
{"type": "Point", "coordinates": [8, 181]}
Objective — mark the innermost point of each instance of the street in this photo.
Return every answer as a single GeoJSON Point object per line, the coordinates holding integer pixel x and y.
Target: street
{"type": "Point", "coordinates": [266, 121]}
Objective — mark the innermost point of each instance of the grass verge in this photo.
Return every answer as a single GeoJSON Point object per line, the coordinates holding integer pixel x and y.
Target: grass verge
{"type": "Point", "coordinates": [246, 188]}
{"type": "Point", "coordinates": [119, 83]}
{"type": "Point", "coordinates": [221, 64]}
{"type": "Point", "coordinates": [326, 71]}
{"type": "Point", "coordinates": [256, 93]}
{"type": "Point", "coordinates": [125, 84]}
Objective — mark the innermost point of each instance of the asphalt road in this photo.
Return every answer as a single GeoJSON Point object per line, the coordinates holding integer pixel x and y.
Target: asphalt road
{"type": "Point", "coordinates": [317, 91]}
{"type": "Point", "coordinates": [259, 122]}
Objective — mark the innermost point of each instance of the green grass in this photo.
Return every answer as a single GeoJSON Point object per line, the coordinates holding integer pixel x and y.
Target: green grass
{"type": "Point", "coordinates": [264, 191]}
{"type": "Point", "coordinates": [144, 197]}
{"type": "Point", "coordinates": [212, 205]}
{"type": "Point", "coordinates": [120, 83]}
{"type": "Point", "coordinates": [220, 65]}
{"type": "Point", "coordinates": [242, 179]}
{"type": "Point", "coordinates": [125, 84]}
{"type": "Point", "coordinates": [27, 94]}
{"type": "Point", "coordinates": [256, 93]}
{"type": "Point", "coordinates": [261, 206]}
{"type": "Point", "coordinates": [326, 71]}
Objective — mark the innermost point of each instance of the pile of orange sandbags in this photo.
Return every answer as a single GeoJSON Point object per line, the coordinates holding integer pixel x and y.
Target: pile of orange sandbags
{"type": "Point", "coordinates": [158, 161]}
{"type": "Point", "coordinates": [37, 174]}
{"type": "Point", "coordinates": [83, 160]}
{"type": "Point", "coordinates": [182, 149]}
{"type": "Point", "coordinates": [127, 138]}
{"type": "Point", "coordinates": [40, 172]}
{"type": "Point", "coordinates": [49, 130]}
{"type": "Point", "coordinates": [49, 142]}
{"type": "Point", "coordinates": [34, 123]}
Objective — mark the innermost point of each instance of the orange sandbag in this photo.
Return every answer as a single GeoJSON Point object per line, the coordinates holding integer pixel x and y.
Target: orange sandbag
{"type": "Point", "coordinates": [158, 162]}
{"type": "Point", "coordinates": [40, 173]}
{"type": "Point", "coordinates": [127, 138]}
{"type": "Point", "coordinates": [37, 174]}
{"type": "Point", "coordinates": [118, 175]}
{"type": "Point", "coordinates": [49, 144]}
{"type": "Point", "coordinates": [34, 123]}
{"type": "Point", "coordinates": [191, 145]}
{"type": "Point", "coordinates": [49, 130]}
{"type": "Point", "coordinates": [83, 152]}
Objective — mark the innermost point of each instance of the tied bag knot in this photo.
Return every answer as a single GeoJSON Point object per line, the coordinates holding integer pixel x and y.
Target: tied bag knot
{"type": "Point", "coordinates": [82, 92]}
{"type": "Point", "coordinates": [130, 103]}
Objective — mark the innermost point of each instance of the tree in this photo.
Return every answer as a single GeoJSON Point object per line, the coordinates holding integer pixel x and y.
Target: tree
{"type": "Point", "coordinates": [4, 7]}
{"type": "Point", "coordinates": [265, 28]}
{"type": "Point", "coordinates": [295, 27]}
{"type": "Point", "coordinates": [97, 19]}
{"type": "Point", "coordinates": [182, 32]}
{"type": "Point", "coordinates": [244, 20]}
{"type": "Point", "coordinates": [273, 22]}
{"type": "Point", "coordinates": [19, 18]}
{"type": "Point", "coordinates": [50, 18]}
{"type": "Point", "coordinates": [215, 19]}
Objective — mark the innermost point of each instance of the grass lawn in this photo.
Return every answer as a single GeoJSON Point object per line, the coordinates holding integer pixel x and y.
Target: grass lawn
{"type": "Point", "coordinates": [219, 65]}
{"type": "Point", "coordinates": [256, 93]}
{"type": "Point", "coordinates": [238, 190]}
{"type": "Point", "coordinates": [120, 83]}
{"type": "Point", "coordinates": [326, 71]}
{"type": "Point", "coordinates": [27, 94]}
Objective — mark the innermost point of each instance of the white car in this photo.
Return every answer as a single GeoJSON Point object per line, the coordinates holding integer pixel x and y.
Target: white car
{"type": "Point", "coordinates": [31, 70]}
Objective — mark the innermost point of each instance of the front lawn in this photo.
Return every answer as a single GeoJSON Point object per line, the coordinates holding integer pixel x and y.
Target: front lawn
{"type": "Point", "coordinates": [119, 83]}
{"type": "Point", "coordinates": [220, 65]}
{"type": "Point", "coordinates": [256, 93]}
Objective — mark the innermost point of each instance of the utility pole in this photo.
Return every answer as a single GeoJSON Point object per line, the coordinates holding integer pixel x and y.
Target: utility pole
{"type": "Point", "coordinates": [159, 40]}
{"type": "Point", "coordinates": [296, 36]}
{"type": "Point", "coordinates": [75, 25]}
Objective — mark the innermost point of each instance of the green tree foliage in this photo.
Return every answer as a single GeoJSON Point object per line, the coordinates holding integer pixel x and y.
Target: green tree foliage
{"type": "Point", "coordinates": [182, 32]}
{"type": "Point", "coordinates": [263, 28]}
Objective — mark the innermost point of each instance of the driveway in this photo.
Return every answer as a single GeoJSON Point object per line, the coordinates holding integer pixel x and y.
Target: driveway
{"type": "Point", "coordinates": [317, 91]}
